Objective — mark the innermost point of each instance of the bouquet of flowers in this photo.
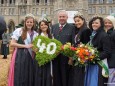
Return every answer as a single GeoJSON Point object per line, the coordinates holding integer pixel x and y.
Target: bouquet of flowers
{"type": "Point", "coordinates": [84, 54]}
{"type": "Point", "coordinates": [68, 50]}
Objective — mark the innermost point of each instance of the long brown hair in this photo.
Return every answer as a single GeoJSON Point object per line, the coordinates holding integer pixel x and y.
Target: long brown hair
{"type": "Point", "coordinates": [48, 30]}
{"type": "Point", "coordinates": [24, 29]}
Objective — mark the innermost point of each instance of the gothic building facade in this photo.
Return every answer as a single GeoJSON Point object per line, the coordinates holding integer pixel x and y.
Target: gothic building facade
{"type": "Point", "coordinates": [15, 10]}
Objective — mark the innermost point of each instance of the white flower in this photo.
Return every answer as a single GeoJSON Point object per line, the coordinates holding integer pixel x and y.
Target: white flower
{"type": "Point", "coordinates": [81, 45]}
{"type": "Point", "coordinates": [41, 47]}
{"type": "Point", "coordinates": [92, 51]}
{"type": "Point", "coordinates": [79, 59]}
{"type": "Point", "coordinates": [48, 50]}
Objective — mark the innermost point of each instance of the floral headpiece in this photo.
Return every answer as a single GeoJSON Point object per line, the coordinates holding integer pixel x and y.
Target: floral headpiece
{"type": "Point", "coordinates": [45, 17]}
{"type": "Point", "coordinates": [78, 14]}
{"type": "Point", "coordinates": [30, 15]}
{"type": "Point", "coordinates": [96, 15]}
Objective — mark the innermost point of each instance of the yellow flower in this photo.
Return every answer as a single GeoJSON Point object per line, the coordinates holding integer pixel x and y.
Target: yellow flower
{"type": "Point", "coordinates": [77, 51]}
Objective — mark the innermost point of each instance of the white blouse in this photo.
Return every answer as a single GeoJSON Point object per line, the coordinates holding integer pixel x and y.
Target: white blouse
{"type": "Point", "coordinates": [17, 33]}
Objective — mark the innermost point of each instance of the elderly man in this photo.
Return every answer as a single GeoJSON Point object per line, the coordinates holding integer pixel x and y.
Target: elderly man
{"type": "Point", "coordinates": [63, 32]}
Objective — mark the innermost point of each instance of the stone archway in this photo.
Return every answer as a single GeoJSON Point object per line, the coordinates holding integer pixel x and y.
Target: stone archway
{"type": "Point", "coordinates": [11, 26]}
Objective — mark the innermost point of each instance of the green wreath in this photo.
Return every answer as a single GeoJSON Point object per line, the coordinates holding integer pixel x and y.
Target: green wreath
{"type": "Point", "coordinates": [44, 46]}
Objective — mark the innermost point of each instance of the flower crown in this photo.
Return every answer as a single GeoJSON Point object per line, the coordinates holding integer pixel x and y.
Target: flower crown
{"type": "Point", "coordinates": [96, 15]}
{"type": "Point", "coordinates": [78, 14]}
{"type": "Point", "coordinates": [30, 15]}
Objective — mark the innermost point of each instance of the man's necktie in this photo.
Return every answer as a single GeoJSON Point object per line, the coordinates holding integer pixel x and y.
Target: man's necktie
{"type": "Point", "coordinates": [60, 28]}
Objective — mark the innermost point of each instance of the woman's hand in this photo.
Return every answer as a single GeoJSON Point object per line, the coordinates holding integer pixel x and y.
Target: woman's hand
{"type": "Point", "coordinates": [35, 49]}
{"type": "Point", "coordinates": [29, 46]}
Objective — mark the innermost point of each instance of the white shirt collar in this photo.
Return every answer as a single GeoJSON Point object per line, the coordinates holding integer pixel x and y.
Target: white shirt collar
{"type": "Point", "coordinates": [62, 25]}
{"type": "Point", "coordinates": [42, 34]}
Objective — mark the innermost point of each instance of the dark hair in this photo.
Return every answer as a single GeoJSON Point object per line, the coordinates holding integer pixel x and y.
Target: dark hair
{"type": "Point", "coordinates": [84, 26]}
{"type": "Point", "coordinates": [48, 30]}
{"type": "Point", "coordinates": [82, 18]}
{"type": "Point", "coordinates": [95, 18]}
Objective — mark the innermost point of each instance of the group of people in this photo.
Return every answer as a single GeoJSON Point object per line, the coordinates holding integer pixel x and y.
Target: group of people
{"type": "Point", "coordinates": [25, 71]}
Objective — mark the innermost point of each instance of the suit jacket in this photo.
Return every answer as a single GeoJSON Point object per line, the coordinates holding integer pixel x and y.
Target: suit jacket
{"type": "Point", "coordinates": [101, 41]}
{"type": "Point", "coordinates": [66, 35]}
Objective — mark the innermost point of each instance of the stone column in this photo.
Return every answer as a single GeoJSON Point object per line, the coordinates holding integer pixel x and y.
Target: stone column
{"type": "Point", "coordinates": [40, 2]}
{"type": "Point", "coordinates": [35, 2]}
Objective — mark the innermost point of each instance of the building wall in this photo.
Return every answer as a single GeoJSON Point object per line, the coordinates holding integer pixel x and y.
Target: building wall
{"type": "Point", "coordinates": [15, 10]}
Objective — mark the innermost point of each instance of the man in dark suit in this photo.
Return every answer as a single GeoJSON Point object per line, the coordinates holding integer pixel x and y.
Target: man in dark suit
{"type": "Point", "coordinates": [63, 32]}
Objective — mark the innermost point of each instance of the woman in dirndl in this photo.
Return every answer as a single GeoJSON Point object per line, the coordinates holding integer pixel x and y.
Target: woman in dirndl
{"type": "Point", "coordinates": [43, 74]}
{"type": "Point", "coordinates": [22, 67]}
{"type": "Point", "coordinates": [77, 73]}
{"type": "Point", "coordinates": [97, 74]}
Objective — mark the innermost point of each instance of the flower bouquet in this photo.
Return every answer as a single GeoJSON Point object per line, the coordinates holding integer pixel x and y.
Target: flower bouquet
{"type": "Point", "coordinates": [85, 54]}
{"type": "Point", "coordinates": [68, 50]}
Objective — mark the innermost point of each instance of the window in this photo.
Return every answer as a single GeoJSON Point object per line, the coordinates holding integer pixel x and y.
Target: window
{"type": "Point", "coordinates": [110, 10]}
{"type": "Point", "coordinates": [33, 11]}
{"type": "Point", "coordinates": [100, 10]}
{"type": "Point", "coordinates": [2, 1]}
{"type": "Point", "coordinates": [22, 11]}
{"type": "Point", "coordinates": [37, 1]}
{"type": "Point", "coordinates": [37, 11]}
{"type": "Point", "coordinates": [46, 1]}
{"type": "Point", "coordinates": [42, 11]}
{"type": "Point", "coordinates": [104, 10]}
{"type": "Point", "coordinates": [100, 1]}
{"type": "Point", "coordinates": [93, 10]}
{"type": "Point", "coordinates": [11, 11]}
{"type": "Point", "coordinates": [89, 10]}
{"type": "Point", "coordinates": [110, 1]}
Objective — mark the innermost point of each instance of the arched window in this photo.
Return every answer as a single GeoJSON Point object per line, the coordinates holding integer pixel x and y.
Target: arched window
{"type": "Point", "coordinates": [46, 1]}
{"type": "Point", "coordinates": [37, 1]}
{"type": "Point", "coordinates": [2, 1]}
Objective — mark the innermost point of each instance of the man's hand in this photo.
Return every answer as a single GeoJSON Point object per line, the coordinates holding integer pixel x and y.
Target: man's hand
{"type": "Point", "coordinates": [70, 62]}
